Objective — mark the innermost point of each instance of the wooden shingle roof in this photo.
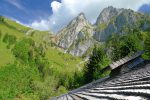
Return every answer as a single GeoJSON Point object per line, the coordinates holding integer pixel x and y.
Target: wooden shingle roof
{"type": "Point", "coordinates": [125, 60]}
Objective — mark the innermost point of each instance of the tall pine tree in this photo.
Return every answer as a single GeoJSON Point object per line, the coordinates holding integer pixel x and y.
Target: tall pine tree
{"type": "Point", "coordinates": [97, 61]}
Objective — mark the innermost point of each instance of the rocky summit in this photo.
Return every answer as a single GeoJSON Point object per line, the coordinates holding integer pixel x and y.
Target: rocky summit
{"type": "Point", "coordinates": [76, 38]}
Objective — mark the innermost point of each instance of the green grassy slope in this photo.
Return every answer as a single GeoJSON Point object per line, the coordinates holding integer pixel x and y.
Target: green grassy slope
{"type": "Point", "coordinates": [43, 87]}
{"type": "Point", "coordinates": [6, 56]}
{"type": "Point", "coordinates": [12, 28]}
{"type": "Point", "coordinates": [62, 60]}
{"type": "Point", "coordinates": [7, 27]}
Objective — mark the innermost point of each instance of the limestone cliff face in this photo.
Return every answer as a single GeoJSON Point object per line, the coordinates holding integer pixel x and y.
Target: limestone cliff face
{"type": "Point", "coordinates": [76, 37]}
{"type": "Point", "coordinates": [107, 14]}
{"type": "Point", "coordinates": [112, 20]}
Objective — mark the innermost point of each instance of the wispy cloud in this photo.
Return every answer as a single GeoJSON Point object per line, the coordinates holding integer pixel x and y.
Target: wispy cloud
{"type": "Point", "coordinates": [17, 4]}
{"type": "Point", "coordinates": [17, 21]}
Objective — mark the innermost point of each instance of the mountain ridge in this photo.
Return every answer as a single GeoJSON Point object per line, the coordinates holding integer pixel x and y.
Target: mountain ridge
{"type": "Point", "coordinates": [110, 20]}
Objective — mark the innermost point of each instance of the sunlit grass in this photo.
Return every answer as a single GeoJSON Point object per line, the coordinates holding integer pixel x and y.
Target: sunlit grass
{"type": "Point", "coordinates": [6, 56]}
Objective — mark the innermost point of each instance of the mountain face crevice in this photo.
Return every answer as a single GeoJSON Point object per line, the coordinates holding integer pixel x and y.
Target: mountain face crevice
{"type": "Point", "coordinates": [79, 35]}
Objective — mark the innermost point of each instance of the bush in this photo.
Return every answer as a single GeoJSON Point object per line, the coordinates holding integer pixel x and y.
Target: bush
{"type": "Point", "coordinates": [9, 39]}
{"type": "Point", "coordinates": [22, 49]}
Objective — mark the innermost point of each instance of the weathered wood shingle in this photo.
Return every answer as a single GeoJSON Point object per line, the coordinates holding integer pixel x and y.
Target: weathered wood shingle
{"type": "Point", "coordinates": [125, 60]}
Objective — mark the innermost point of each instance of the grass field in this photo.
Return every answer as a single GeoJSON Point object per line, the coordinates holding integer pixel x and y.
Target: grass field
{"type": "Point", "coordinates": [62, 60]}
{"type": "Point", "coordinates": [6, 56]}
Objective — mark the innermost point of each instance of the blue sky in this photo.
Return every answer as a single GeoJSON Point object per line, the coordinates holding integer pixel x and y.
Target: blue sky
{"type": "Point", "coordinates": [25, 10]}
{"type": "Point", "coordinates": [55, 14]}
{"type": "Point", "coordinates": [145, 8]}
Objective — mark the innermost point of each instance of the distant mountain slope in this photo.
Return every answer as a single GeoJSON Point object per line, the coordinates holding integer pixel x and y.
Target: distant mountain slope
{"type": "Point", "coordinates": [120, 21]}
{"type": "Point", "coordinates": [13, 28]}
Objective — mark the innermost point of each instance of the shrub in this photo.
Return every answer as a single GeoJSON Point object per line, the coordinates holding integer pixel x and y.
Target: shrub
{"type": "Point", "coordinates": [9, 39]}
{"type": "Point", "coordinates": [22, 48]}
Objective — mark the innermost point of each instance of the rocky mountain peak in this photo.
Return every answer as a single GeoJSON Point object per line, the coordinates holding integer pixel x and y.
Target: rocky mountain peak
{"type": "Point", "coordinates": [81, 16]}
{"type": "Point", "coordinates": [107, 14]}
{"type": "Point", "coordinates": [112, 20]}
{"type": "Point", "coordinates": [79, 20]}
{"type": "Point", "coordinates": [76, 35]}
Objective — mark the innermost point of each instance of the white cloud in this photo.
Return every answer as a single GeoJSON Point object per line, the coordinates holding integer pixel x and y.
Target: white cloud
{"type": "Point", "coordinates": [41, 25]}
{"type": "Point", "coordinates": [65, 11]}
{"type": "Point", "coordinates": [55, 6]}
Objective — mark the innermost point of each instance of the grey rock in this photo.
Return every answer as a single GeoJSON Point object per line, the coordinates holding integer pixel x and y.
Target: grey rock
{"type": "Point", "coordinates": [112, 20]}
{"type": "Point", "coordinates": [107, 14]}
